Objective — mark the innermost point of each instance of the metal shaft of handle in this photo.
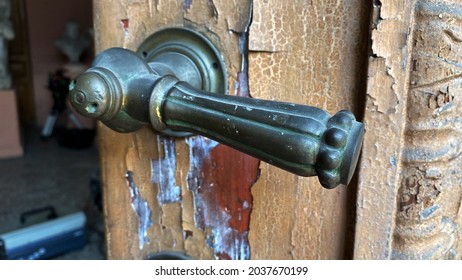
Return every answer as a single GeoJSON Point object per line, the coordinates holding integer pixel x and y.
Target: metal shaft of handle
{"type": "Point", "coordinates": [301, 139]}
{"type": "Point", "coordinates": [126, 93]}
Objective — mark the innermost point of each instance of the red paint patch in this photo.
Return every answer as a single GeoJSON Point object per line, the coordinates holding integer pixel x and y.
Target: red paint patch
{"type": "Point", "coordinates": [124, 23]}
{"type": "Point", "coordinates": [233, 174]}
{"type": "Point", "coordinates": [220, 179]}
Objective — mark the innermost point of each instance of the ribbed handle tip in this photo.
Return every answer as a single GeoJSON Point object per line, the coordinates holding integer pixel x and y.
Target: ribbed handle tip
{"type": "Point", "coordinates": [339, 151]}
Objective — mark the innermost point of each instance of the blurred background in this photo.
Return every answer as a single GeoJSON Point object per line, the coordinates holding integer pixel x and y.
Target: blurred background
{"type": "Point", "coordinates": [50, 195]}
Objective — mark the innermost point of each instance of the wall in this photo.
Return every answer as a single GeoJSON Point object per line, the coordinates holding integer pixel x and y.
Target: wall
{"type": "Point", "coordinates": [46, 22]}
{"type": "Point", "coordinates": [10, 142]}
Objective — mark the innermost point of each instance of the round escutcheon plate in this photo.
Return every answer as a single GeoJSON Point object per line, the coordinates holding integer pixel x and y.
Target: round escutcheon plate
{"type": "Point", "coordinates": [167, 43]}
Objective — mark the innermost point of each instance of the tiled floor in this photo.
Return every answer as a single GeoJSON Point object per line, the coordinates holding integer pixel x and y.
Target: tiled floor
{"type": "Point", "coordinates": [49, 174]}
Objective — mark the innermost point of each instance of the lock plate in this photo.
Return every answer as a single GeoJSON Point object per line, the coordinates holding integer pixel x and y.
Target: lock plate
{"type": "Point", "coordinates": [190, 54]}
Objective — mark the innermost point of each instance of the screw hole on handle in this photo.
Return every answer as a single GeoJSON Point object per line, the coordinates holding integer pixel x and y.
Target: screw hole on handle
{"type": "Point", "coordinates": [215, 65]}
{"type": "Point", "coordinates": [144, 54]}
{"type": "Point", "coordinates": [92, 107]}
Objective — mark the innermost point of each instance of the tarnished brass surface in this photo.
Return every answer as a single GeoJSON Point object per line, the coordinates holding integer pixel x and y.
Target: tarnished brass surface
{"type": "Point", "coordinates": [191, 56]}
{"type": "Point", "coordinates": [125, 92]}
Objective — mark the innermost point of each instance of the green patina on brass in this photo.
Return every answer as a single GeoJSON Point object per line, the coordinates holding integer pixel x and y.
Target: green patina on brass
{"type": "Point", "coordinates": [190, 55]}
{"type": "Point", "coordinates": [174, 83]}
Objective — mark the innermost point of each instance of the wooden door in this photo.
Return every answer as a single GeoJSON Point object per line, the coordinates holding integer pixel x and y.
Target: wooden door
{"type": "Point", "coordinates": [208, 201]}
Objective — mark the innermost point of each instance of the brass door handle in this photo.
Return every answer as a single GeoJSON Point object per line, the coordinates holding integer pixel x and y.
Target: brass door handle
{"type": "Point", "coordinates": [126, 90]}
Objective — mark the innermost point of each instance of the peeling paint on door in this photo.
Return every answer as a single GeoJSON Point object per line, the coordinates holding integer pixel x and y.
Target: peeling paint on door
{"type": "Point", "coordinates": [125, 24]}
{"type": "Point", "coordinates": [187, 5]}
{"type": "Point", "coordinates": [163, 172]}
{"type": "Point", "coordinates": [220, 179]}
{"type": "Point", "coordinates": [142, 210]}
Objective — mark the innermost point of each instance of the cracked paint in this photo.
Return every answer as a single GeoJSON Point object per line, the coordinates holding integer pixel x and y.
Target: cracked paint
{"type": "Point", "coordinates": [142, 210]}
{"type": "Point", "coordinates": [385, 108]}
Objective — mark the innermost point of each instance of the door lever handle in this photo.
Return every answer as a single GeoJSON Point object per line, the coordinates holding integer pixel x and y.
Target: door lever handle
{"type": "Point", "coordinates": [126, 92]}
